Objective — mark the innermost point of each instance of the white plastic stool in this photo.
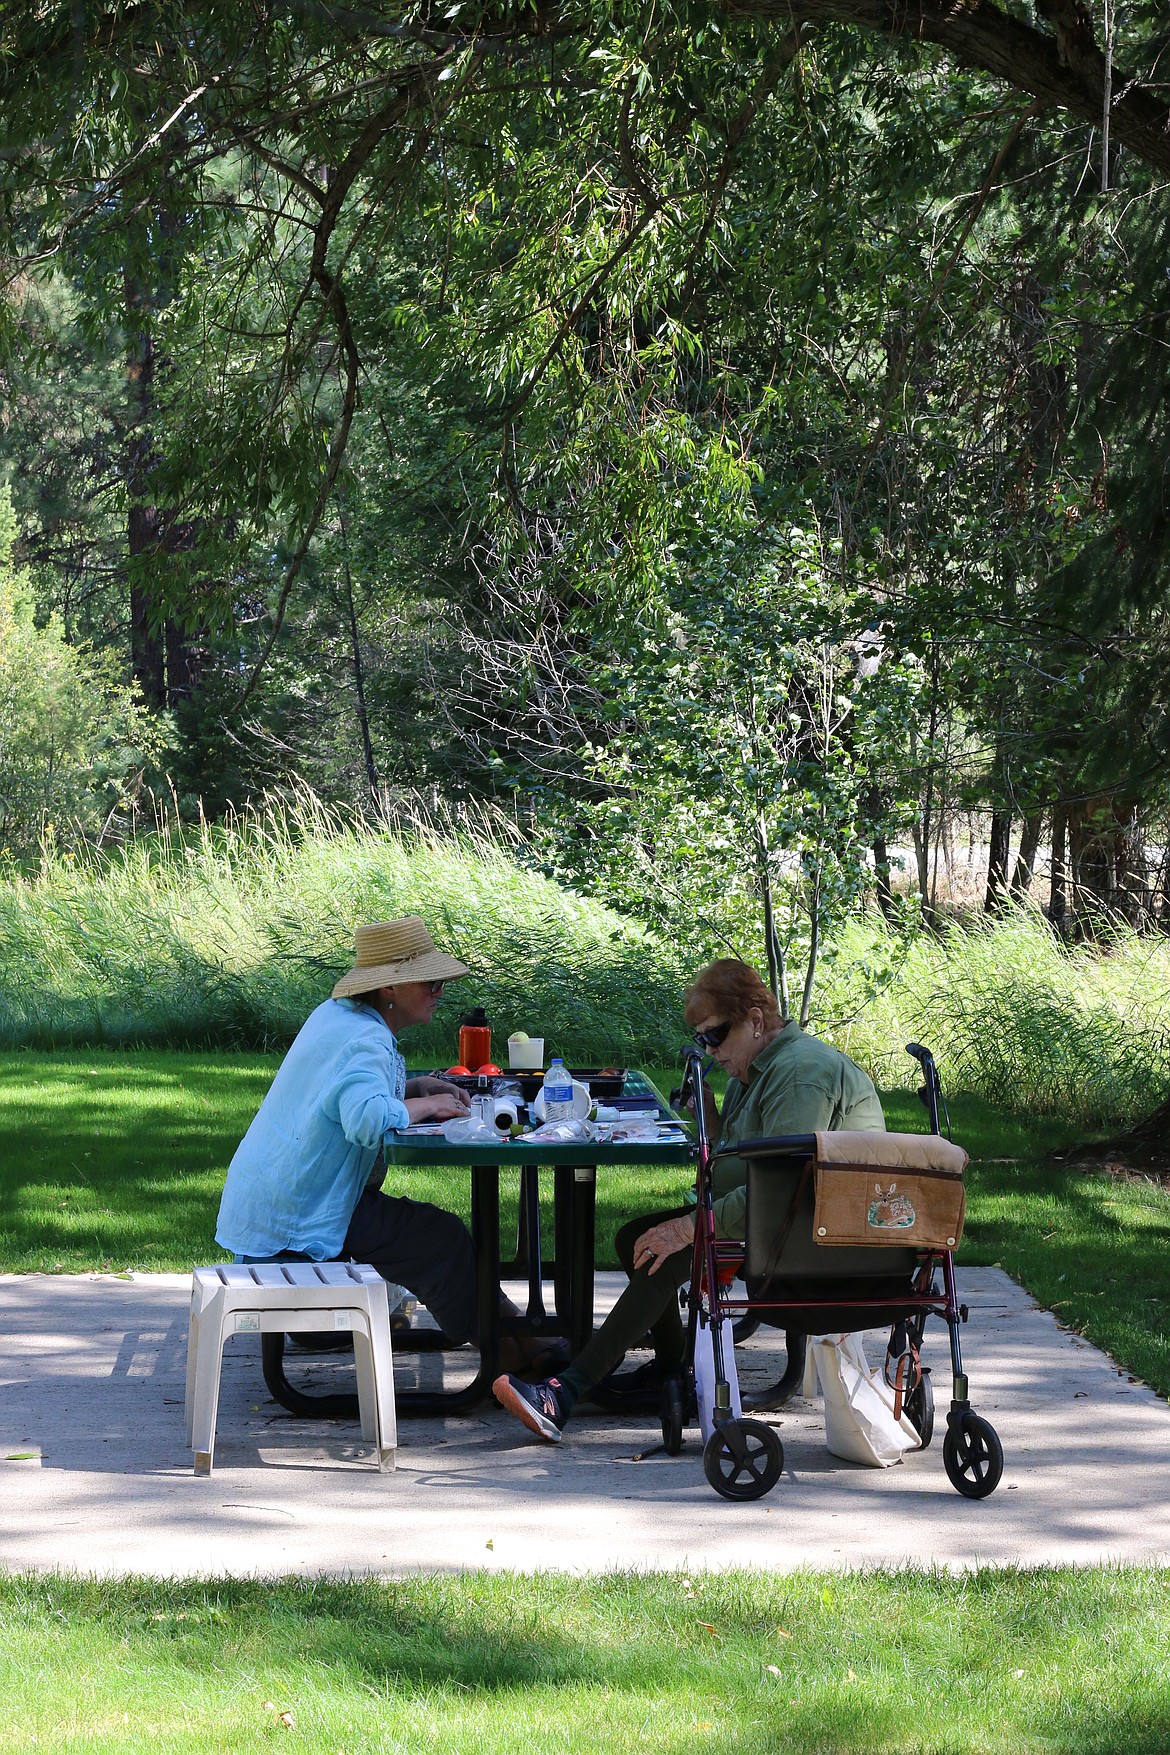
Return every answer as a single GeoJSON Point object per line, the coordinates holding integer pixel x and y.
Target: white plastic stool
{"type": "Point", "coordinates": [283, 1297]}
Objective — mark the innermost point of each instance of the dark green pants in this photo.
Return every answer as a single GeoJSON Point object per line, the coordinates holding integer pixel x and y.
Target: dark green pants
{"type": "Point", "coordinates": [648, 1304]}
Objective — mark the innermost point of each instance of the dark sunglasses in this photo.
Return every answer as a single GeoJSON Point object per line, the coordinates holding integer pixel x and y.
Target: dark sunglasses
{"type": "Point", "coordinates": [435, 987]}
{"type": "Point", "coordinates": [712, 1038]}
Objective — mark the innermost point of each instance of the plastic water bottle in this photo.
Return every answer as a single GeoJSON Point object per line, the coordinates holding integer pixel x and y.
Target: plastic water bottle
{"type": "Point", "coordinates": [558, 1093]}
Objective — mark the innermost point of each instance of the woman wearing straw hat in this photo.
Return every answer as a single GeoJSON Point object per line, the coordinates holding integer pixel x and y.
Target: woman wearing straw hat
{"type": "Point", "coordinates": [304, 1182]}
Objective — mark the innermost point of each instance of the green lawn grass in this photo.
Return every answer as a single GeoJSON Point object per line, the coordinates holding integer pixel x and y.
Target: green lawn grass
{"type": "Point", "coordinates": [115, 1161]}
{"type": "Point", "coordinates": [734, 1663]}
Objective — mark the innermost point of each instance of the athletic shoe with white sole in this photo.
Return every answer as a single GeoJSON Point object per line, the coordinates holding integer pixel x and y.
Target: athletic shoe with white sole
{"type": "Point", "coordinates": [538, 1405]}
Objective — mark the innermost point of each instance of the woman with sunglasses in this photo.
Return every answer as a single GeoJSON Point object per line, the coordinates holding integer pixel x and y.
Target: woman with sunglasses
{"type": "Point", "coordinates": [780, 1081]}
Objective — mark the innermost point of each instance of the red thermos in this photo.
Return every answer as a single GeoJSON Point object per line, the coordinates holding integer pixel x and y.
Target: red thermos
{"type": "Point", "coordinates": [475, 1039]}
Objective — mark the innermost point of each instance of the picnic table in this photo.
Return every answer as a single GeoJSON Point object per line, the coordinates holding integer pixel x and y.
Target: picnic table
{"type": "Point", "coordinates": [569, 1268]}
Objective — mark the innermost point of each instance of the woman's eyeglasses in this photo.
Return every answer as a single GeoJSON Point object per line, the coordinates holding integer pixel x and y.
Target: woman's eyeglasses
{"type": "Point", "coordinates": [435, 987]}
{"type": "Point", "coordinates": [713, 1037]}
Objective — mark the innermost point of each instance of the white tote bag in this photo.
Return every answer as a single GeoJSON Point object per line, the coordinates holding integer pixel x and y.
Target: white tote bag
{"type": "Point", "coordinates": [705, 1374]}
{"type": "Point", "coordinates": [859, 1404]}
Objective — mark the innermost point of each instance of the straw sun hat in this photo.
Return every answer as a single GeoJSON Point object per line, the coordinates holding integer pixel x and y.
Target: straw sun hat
{"type": "Point", "coordinates": [393, 951]}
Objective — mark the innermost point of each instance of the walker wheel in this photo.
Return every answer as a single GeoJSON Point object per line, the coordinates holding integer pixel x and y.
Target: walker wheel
{"type": "Point", "coordinates": [743, 1459]}
{"type": "Point", "coordinates": [972, 1455]}
{"type": "Point", "coordinates": [673, 1418]}
{"type": "Point", "coordinates": [919, 1409]}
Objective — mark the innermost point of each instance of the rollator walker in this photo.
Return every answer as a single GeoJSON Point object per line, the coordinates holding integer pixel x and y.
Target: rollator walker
{"type": "Point", "coordinates": [844, 1232]}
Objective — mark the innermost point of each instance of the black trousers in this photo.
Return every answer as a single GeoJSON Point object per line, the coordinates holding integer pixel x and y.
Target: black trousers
{"type": "Point", "coordinates": [416, 1245]}
{"type": "Point", "coordinates": [649, 1302]}
{"type": "Point", "coordinates": [421, 1247]}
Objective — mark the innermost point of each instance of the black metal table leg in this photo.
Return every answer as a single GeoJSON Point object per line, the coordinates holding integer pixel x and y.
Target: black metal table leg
{"type": "Point", "coordinates": [530, 1207]}
{"type": "Point", "coordinates": [562, 1269]}
{"type": "Point", "coordinates": [584, 1191]}
{"type": "Point", "coordinates": [517, 1267]}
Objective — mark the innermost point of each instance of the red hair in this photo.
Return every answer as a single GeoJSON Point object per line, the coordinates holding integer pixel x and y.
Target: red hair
{"type": "Point", "coordinates": [731, 989]}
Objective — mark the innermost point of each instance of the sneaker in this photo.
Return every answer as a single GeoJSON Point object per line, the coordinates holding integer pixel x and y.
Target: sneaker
{"type": "Point", "coordinates": [538, 1405]}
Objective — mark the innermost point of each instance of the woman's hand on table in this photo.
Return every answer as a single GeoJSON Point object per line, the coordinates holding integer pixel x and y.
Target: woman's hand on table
{"type": "Point", "coordinates": [442, 1105]}
{"type": "Point", "coordinates": [660, 1241]}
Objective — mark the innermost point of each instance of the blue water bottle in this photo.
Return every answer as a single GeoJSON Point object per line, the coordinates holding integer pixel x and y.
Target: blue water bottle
{"type": "Point", "coordinates": [558, 1093]}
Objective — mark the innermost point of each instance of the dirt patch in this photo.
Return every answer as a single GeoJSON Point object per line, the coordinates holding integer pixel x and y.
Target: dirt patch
{"type": "Point", "coordinates": [1129, 1161]}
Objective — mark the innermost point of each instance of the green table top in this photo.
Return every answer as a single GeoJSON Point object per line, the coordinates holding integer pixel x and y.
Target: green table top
{"type": "Point", "coordinates": [434, 1149]}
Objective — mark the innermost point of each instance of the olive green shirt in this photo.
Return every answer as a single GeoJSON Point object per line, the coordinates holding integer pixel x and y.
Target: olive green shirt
{"type": "Point", "coordinates": [797, 1084]}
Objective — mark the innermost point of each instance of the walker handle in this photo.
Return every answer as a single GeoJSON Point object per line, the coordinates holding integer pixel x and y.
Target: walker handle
{"type": "Point", "coordinates": [931, 1088]}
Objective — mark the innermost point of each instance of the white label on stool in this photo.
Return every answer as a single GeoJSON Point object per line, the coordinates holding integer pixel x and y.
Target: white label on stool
{"type": "Point", "coordinates": [342, 1319]}
{"type": "Point", "coordinates": [247, 1322]}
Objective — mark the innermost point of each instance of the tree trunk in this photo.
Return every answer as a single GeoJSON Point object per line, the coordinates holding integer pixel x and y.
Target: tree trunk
{"type": "Point", "coordinates": [997, 861]}
{"type": "Point", "coordinates": [1146, 1146]}
{"type": "Point", "coordinates": [1091, 863]}
{"type": "Point", "coordinates": [359, 684]}
{"type": "Point", "coordinates": [881, 873]}
{"type": "Point", "coordinates": [777, 964]}
{"type": "Point", "coordinates": [920, 859]}
{"type": "Point", "coordinates": [1160, 888]}
{"type": "Point", "coordinates": [1058, 882]}
{"type": "Point", "coordinates": [922, 829]}
{"type": "Point", "coordinates": [1156, 1127]}
{"type": "Point", "coordinates": [147, 656]}
{"type": "Point", "coordinates": [184, 664]}
{"type": "Point", "coordinates": [1131, 894]}
{"type": "Point", "coordinates": [163, 656]}
{"type": "Point", "coordinates": [1026, 857]}
{"type": "Point", "coordinates": [875, 811]}
{"type": "Point", "coordinates": [814, 921]}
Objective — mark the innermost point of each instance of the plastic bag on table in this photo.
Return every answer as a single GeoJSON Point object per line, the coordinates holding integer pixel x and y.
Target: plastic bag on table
{"type": "Point", "coordinates": [859, 1404]}
{"type": "Point", "coordinates": [629, 1133]}
{"type": "Point", "coordinates": [705, 1374]}
{"type": "Point", "coordinates": [559, 1133]}
{"type": "Point", "coordinates": [469, 1130]}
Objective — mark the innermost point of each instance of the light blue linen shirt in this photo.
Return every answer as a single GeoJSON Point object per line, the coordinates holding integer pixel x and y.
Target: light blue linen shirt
{"type": "Point", "coordinates": [299, 1170]}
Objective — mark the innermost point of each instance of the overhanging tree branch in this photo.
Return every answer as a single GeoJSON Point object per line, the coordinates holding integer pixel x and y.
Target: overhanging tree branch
{"type": "Point", "coordinates": [1066, 70]}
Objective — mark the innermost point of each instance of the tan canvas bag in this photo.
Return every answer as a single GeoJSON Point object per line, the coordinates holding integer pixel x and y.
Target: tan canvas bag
{"type": "Point", "coordinates": [889, 1189]}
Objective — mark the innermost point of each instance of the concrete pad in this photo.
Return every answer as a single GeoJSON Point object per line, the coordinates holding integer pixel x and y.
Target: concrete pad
{"type": "Point", "coordinates": [92, 1370]}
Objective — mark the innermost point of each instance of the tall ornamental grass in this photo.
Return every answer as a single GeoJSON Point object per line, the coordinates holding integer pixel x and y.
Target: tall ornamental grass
{"type": "Point", "coordinates": [1010, 1013]}
{"type": "Point", "coordinates": [229, 935]}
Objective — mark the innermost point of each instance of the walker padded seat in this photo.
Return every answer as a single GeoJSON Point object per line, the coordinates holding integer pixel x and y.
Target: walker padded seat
{"type": "Point", "coordinates": [290, 1297]}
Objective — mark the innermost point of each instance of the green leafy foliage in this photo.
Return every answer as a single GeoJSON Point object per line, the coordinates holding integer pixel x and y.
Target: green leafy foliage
{"type": "Point", "coordinates": [73, 737]}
